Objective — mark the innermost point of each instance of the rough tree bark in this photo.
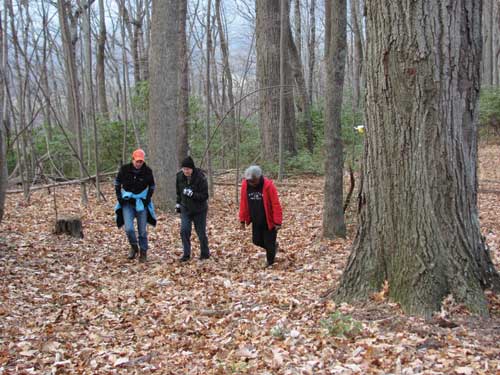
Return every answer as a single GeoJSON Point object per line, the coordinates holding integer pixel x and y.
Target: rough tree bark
{"type": "Point", "coordinates": [311, 46]}
{"type": "Point", "coordinates": [419, 222]}
{"type": "Point", "coordinates": [268, 78]}
{"type": "Point", "coordinates": [100, 67]}
{"type": "Point", "coordinates": [230, 125]}
{"type": "Point", "coordinates": [303, 102]}
{"type": "Point", "coordinates": [183, 129]}
{"type": "Point", "coordinates": [164, 57]}
{"type": "Point", "coordinates": [73, 101]}
{"type": "Point", "coordinates": [357, 53]}
{"type": "Point", "coordinates": [3, 153]}
{"type": "Point", "coordinates": [335, 53]}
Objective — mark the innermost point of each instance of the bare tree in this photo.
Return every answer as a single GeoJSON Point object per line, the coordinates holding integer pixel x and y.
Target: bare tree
{"type": "Point", "coordinates": [357, 52]}
{"type": "Point", "coordinates": [303, 102]}
{"type": "Point", "coordinates": [208, 33]}
{"type": "Point", "coordinates": [100, 66]}
{"type": "Point", "coordinates": [163, 98]}
{"type": "Point", "coordinates": [227, 77]}
{"type": "Point", "coordinates": [268, 77]}
{"type": "Point", "coordinates": [335, 52]}
{"type": "Point", "coordinates": [73, 101]}
{"type": "Point", "coordinates": [3, 125]}
{"type": "Point", "coordinates": [311, 46]}
{"type": "Point", "coordinates": [183, 128]}
{"type": "Point", "coordinates": [419, 223]}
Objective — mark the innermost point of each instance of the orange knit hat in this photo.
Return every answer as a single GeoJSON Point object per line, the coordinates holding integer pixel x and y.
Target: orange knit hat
{"type": "Point", "coordinates": [138, 154]}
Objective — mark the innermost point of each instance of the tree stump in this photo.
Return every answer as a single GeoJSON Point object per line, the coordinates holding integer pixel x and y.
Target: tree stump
{"type": "Point", "coordinates": [71, 225]}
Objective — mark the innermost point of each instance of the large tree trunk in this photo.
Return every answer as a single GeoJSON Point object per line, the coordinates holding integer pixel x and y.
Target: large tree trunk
{"type": "Point", "coordinates": [419, 222]}
{"type": "Point", "coordinates": [268, 77]}
{"type": "Point", "coordinates": [335, 52]}
{"type": "Point", "coordinates": [183, 129]}
{"type": "Point", "coordinates": [163, 98]}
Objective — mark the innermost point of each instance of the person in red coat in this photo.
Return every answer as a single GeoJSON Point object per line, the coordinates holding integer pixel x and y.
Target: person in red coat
{"type": "Point", "coordinates": [260, 205]}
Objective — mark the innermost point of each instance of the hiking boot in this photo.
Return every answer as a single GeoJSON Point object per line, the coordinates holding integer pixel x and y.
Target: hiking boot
{"type": "Point", "coordinates": [204, 256]}
{"type": "Point", "coordinates": [184, 258]}
{"type": "Point", "coordinates": [143, 256]}
{"type": "Point", "coordinates": [134, 249]}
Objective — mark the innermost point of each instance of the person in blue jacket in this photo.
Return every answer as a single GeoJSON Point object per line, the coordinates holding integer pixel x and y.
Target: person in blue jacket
{"type": "Point", "coordinates": [134, 187]}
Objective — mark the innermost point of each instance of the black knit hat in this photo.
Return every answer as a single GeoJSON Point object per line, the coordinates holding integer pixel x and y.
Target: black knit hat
{"type": "Point", "coordinates": [188, 163]}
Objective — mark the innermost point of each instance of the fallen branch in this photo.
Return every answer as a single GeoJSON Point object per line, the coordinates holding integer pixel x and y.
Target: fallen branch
{"type": "Point", "coordinates": [70, 182]}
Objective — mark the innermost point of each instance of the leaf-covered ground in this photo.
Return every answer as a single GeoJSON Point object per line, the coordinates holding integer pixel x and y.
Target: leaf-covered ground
{"type": "Point", "coordinates": [78, 306]}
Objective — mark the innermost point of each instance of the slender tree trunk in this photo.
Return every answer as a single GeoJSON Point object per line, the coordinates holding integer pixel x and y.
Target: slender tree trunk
{"type": "Point", "coordinates": [74, 109]}
{"type": "Point", "coordinates": [311, 45]}
{"type": "Point", "coordinates": [20, 124]}
{"type": "Point", "coordinates": [208, 96]}
{"type": "Point", "coordinates": [163, 98]}
{"type": "Point", "coordinates": [100, 67]}
{"type": "Point", "coordinates": [228, 76]}
{"type": "Point", "coordinates": [91, 108]}
{"type": "Point", "coordinates": [297, 28]}
{"type": "Point", "coordinates": [419, 223]}
{"type": "Point", "coordinates": [183, 129]}
{"type": "Point", "coordinates": [303, 97]}
{"type": "Point", "coordinates": [3, 94]}
{"type": "Point", "coordinates": [333, 209]}
{"type": "Point", "coordinates": [357, 53]}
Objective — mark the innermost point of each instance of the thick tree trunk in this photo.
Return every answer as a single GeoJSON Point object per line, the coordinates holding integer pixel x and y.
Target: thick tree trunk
{"type": "Point", "coordinates": [268, 77]}
{"type": "Point", "coordinates": [336, 50]}
{"type": "Point", "coordinates": [163, 98]}
{"type": "Point", "coordinates": [419, 222]}
{"type": "Point", "coordinates": [183, 129]}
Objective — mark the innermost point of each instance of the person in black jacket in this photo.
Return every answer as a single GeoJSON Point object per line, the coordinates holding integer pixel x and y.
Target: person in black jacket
{"type": "Point", "coordinates": [134, 187]}
{"type": "Point", "coordinates": [192, 196]}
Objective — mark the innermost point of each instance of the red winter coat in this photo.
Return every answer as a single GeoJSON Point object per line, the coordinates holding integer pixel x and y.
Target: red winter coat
{"type": "Point", "coordinates": [274, 215]}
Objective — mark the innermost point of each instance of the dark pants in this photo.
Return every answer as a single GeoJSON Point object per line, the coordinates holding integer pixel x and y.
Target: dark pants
{"type": "Point", "coordinates": [200, 226]}
{"type": "Point", "coordinates": [265, 238]}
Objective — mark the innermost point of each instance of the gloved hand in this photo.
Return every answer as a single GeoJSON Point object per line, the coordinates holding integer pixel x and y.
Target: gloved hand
{"type": "Point", "coordinates": [121, 201]}
{"type": "Point", "coordinates": [242, 225]}
{"type": "Point", "coordinates": [188, 192]}
{"type": "Point", "coordinates": [178, 208]}
{"type": "Point", "coordinates": [277, 227]}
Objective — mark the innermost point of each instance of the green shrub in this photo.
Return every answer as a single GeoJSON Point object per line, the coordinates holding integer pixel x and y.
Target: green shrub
{"type": "Point", "coordinates": [489, 109]}
{"type": "Point", "coordinates": [340, 325]}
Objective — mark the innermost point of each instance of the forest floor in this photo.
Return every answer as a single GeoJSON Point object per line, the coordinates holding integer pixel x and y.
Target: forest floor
{"type": "Point", "coordinates": [79, 306]}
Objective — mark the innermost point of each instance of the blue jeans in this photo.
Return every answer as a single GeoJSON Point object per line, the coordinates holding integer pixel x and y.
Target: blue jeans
{"type": "Point", "coordinates": [200, 226]}
{"type": "Point", "coordinates": [129, 213]}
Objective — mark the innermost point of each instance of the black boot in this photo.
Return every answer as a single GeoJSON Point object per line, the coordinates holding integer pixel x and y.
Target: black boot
{"type": "Point", "coordinates": [143, 256]}
{"type": "Point", "coordinates": [134, 249]}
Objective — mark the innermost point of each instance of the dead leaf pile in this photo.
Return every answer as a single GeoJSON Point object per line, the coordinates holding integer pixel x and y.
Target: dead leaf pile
{"type": "Point", "coordinates": [79, 306]}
